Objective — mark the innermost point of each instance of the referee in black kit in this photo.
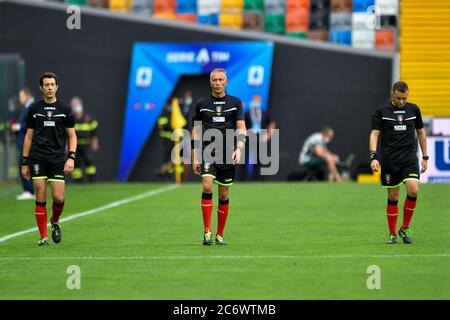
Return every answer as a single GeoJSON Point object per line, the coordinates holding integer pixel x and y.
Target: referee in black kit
{"type": "Point", "coordinates": [49, 123]}
{"type": "Point", "coordinates": [399, 122]}
{"type": "Point", "coordinates": [217, 112]}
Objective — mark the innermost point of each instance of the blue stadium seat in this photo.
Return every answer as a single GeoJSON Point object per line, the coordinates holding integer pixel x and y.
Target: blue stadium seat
{"type": "Point", "coordinates": [186, 6]}
{"type": "Point", "coordinates": [362, 5]}
{"type": "Point", "coordinates": [341, 37]}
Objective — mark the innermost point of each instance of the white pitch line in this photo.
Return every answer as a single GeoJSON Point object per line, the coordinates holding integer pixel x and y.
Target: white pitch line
{"type": "Point", "coordinates": [93, 211]}
{"type": "Point", "coordinates": [444, 255]}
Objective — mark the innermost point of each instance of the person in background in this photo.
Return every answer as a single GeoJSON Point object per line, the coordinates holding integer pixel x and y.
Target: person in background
{"type": "Point", "coordinates": [315, 154]}
{"type": "Point", "coordinates": [259, 123]}
{"type": "Point", "coordinates": [88, 143]}
{"type": "Point", "coordinates": [26, 99]}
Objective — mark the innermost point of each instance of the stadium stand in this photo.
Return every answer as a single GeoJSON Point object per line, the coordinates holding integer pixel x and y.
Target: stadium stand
{"type": "Point", "coordinates": [365, 24]}
{"type": "Point", "coordinates": [424, 45]}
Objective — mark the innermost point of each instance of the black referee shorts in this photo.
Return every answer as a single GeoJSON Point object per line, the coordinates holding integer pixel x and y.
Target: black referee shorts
{"type": "Point", "coordinates": [51, 171]}
{"type": "Point", "coordinates": [393, 176]}
{"type": "Point", "coordinates": [223, 174]}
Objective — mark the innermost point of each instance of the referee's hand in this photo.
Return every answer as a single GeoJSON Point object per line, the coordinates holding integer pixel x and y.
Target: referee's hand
{"type": "Point", "coordinates": [68, 167]}
{"type": "Point", "coordinates": [236, 156]}
{"type": "Point", "coordinates": [25, 172]}
{"type": "Point", "coordinates": [374, 165]}
{"type": "Point", "coordinates": [196, 168]}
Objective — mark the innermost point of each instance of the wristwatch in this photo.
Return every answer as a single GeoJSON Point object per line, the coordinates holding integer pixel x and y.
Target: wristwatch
{"type": "Point", "coordinates": [426, 157]}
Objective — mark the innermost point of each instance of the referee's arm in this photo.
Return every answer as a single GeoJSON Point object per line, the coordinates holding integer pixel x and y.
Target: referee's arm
{"type": "Point", "coordinates": [422, 137]}
{"type": "Point", "coordinates": [72, 136]}
{"type": "Point", "coordinates": [241, 131]}
{"type": "Point", "coordinates": [373, 141]}
{"type": "Point", "coordinates": [26, 152]}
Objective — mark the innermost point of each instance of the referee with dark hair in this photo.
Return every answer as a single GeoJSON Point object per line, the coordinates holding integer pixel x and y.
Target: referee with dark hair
{"type": "Point", "coordinates": [399, 122]}
{"type": "Point", "coordinates": [217, 113]}
{"type": "Point", "coordinates": [49, 124]}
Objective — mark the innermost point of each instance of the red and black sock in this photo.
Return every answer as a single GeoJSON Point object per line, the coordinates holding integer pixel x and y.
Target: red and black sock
{"type": "Point", "coordinates": [41, 218]}
{"type": "Point", "coordinates": [207, 205]}
{"type": "Point", "coordinates": [392, 215]}
{"type": "Point", "coordinates": [57, 209]}
{"type": "Point", "coordinates": [408, 210]}
{"type": "Point", "coordinates": [222, 214]}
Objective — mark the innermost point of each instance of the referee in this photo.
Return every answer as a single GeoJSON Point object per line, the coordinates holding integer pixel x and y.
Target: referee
{"type": "Point", "coordinates": [398, 123]}
{"type": "Point", "coordinates": [217, 112]}
{"type": "Point", "coordinates": [49, 124]}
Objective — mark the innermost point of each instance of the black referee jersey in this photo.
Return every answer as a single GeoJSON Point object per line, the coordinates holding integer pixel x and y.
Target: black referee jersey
{"type": "Point", "coordinates": [49, 122]}
{"type": "Point", "coordinates": [219, 113]}
{"type": "Point", "coordinates": [398, 132]}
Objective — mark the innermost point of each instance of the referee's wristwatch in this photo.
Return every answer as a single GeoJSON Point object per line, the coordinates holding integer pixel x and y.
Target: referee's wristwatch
{"type": "Point", "coordinates": [425, 157]}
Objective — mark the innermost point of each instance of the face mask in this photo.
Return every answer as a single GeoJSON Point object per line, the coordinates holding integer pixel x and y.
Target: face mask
{"type": "Point", "coordinates": [77, 108]}
{"type": "Point", "coordinates": [326, 140]}
{"type": "Point", "coordinates": [188, 101]}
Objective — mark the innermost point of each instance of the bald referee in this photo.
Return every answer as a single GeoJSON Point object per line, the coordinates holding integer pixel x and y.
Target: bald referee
{"type": "Point", "coordinates": [217, 112]}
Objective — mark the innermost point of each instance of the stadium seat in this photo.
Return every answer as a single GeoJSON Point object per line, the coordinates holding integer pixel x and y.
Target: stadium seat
{"type": "Point", "coordinates": [297, 21]}
{"type": "Point", "coordinates": [385, 39]}
{"type": "Point", "coordinates": [76, 1]}
{"type": "Point", "coordinates": [187, 17]}
{"type": "Point", "coordinates": [388, 21]}
{"type": "Point", "coordinates": [232, 4]}
{"type": "Point", "coordinates": [364, 39]}
{"type": "Point", "coordinates": [318, 35]}
{"type": "Point", "coordinates": [275, 7]}
{"type": "Point", "coordinates": [99, 3]}
{"type": "Point", "coordinates": [362, 5]}
{"type": "Point", "coordinates": [320, 5]}
{"type": "Point", "coordinates": [164, 6]}
{"type": "Point", "coordinates": [341, 37]}
{"type": "Point", "coordinates": [187, 6]}
{"type": "Point", "coordinates": [319, 20]}
{"type": "Point", "coordinates": [165, 15]}
{"type": "Point", "coordinates": [230, 19]}
{"type": "Point", "coordinates": [203, 19]}
{"type": "Point", "coordinates": [120, 5]}
{"type": "Point", "coordinates": [253, 21]}
{"type": "Point", "coordinates": [143, 7]}
{"type": "Point", "coordinates": [387, 7]}
{"type": "Point", "coordinates": [360, 20]}
{"type": "Point", "coordinates": [340, 20]}
{"type": "Point", "coordinates": [300, 35]}
{"type": "Point", "coordinates": [296, 5]}
{"type": "Point", "coordinates": [274, 23]}
{"type": "Point", "coordinates": [254, 5]}
{"type": "Point", "coordinates": [341, 6]}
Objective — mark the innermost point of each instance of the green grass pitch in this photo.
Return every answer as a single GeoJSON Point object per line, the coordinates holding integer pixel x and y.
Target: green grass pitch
{"type": "Point", "coordinates": [286, 241]}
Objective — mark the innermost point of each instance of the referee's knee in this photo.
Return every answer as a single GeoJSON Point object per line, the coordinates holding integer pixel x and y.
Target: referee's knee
{"type": "Point", "coordinates": [58, 199]}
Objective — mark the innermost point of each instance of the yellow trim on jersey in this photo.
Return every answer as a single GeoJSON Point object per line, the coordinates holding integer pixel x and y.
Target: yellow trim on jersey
{"type": "Point", "coordinates": [56, 180]}
{"type": "Point", "coordinates": [37, 178]}
{"type": "Point", "coordinates": [208, 175]}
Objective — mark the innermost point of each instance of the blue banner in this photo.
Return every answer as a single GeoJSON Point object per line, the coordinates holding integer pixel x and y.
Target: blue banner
{"type": "Point", "coordinates": [156, 68]}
